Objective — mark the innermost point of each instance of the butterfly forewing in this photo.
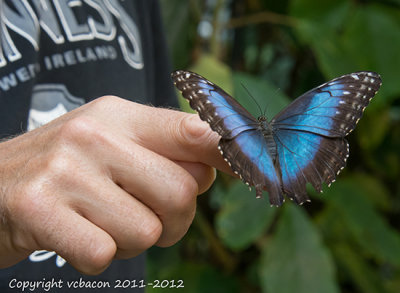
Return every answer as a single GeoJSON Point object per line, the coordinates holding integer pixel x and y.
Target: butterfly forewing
{"type": "Point", "coordinates": [332, 109]}
{"type": "Point", "coordinates": [225, 116]}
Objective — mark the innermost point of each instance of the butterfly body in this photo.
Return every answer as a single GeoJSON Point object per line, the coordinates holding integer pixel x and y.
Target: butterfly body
{"type": "Point", "coordinates": [267, 132]}
{"type": "Point", "coordinates": [302, 143]}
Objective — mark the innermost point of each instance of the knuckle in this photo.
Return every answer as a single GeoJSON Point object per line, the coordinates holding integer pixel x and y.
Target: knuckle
{"type": "Point", "coordinates": [98, 257]}
{"type": "Point", "coordinates": [54, 171]}
{"type": "Point", "coordinates": [83, 132]}
{"type": "Point", "coordinates": [149, 233]}
{"type": "Point", "coordinates": [30, 201]}
{"type": "Point", "coordinates": [58, 164]}
{"type": "Point", "coordinates": [185, 195]}
{"type": "Point", "coordinates": [192, 132]}
{"type": "Point", "coordinates": [78, 128]}
{"type": "Point", "coordinates": [104, 101]}
{"type": "Point", "coordinates": [188, 187]}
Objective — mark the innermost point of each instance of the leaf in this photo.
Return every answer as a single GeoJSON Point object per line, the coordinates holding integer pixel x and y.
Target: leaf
{"type": "Point", "coordinates": [375, 37]}
{"type": "Point", "coordinates": [267, 95]}
{"type": "Point", "coordinates": [180, 29]}
{"type": "Point", "coordinates": [372, 131]}
{"type": "Point", "coordinates": [358, 270]}
{"type": "Point", "coordinates": [318, 23]}
{"type": "Point", "coordinates": [376, 192]}
{"type": "Point", "coordinates": [296, 259]}
{"type": "Point", "coordinates": [354, 37]}
{"type": "Point", "coordinates": [243, 218]}
{"type": "Point", "coordinates": [329, 13]}
{"type": "Point", "coordinates": [370, 230]}
{"type": "Point", "coordinates": [215, 71]}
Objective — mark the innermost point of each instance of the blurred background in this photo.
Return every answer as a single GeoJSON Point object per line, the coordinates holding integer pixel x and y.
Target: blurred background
{"type": "Point", "coordinates": [347, 239]}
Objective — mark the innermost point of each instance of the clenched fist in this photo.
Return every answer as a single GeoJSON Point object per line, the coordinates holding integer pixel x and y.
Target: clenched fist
{"type": "Point", "coordinates": [107, 180]}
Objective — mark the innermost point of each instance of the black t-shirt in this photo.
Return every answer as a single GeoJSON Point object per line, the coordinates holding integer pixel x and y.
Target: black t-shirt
{"type": "Point", "coordinates": [57, 55]}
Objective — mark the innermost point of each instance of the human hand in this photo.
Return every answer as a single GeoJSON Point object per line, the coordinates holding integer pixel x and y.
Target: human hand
{"type": "Point", "coordinates": [107, 180]}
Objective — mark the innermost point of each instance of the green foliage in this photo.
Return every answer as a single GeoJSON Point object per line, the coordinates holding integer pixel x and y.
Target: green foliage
{"type": "Point", "coordinates": [346, 37]}
{"type": "Point", "coordinates": [370, 232]}
{"type": "Point", "coordinates": [348, 238]}
{"type": "Point", "coordinates": [266, 95]}
{"type": "Point", "coordinates": [238, 213]}
{"type": "Point", "coordinates": [297, 253]}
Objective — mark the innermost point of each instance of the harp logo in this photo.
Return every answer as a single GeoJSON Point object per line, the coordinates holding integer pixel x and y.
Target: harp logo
{"type": "Point", "coordinates": [50, 101]}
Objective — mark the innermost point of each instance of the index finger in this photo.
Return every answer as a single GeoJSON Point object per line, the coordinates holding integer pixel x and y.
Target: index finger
{"type": "Point", "coordinates": [178, 136]}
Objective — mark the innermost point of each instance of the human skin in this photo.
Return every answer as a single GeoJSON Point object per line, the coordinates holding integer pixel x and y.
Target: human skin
{"type": "Point", "coordinates": [107, 180]}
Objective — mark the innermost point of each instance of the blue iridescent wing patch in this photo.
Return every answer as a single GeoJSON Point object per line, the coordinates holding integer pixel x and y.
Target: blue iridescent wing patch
{"type": "Point", "coordinates": [303, 143]}
{"type": "Point", "coordinates": [310, 132]}
{"type": "Point", "coordinates": [308, 157]}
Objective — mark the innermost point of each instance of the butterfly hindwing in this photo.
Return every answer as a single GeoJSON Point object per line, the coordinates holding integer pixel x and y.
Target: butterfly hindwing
{"type": "Point", "coordinates": [249, 157]}
{"type": "Point", "coordinates": [308, 157]}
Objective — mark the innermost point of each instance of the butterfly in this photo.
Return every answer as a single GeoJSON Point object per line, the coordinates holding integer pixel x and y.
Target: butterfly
{"type": "Point", "coordinates": [305, 142]}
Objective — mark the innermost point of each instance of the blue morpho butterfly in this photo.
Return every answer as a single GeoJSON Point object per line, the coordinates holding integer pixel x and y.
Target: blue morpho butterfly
{"type": "Point", "coordinates": [303, 143]}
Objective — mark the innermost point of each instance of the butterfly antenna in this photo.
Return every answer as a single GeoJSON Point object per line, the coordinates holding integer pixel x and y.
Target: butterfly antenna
{"type": "Point", "coordinates": [266, 104]}
{"type": "Point", "coordinates": [258, 105]}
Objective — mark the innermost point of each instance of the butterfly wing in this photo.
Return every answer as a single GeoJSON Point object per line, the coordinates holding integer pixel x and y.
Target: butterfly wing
{"type": "Point", "coordinates": [250, 158]}
{"type": "Point", "coordinates": [332, 109]}
{"type": "Point", "coordinates": [242, 144]}
{"type": "Point", "coordinates": [224, 114]}
{"type": "Point", "coordinates": [308, 157]}
{"type": "Point", "coordinates": [310, 132]}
